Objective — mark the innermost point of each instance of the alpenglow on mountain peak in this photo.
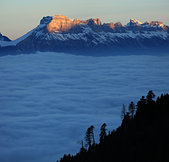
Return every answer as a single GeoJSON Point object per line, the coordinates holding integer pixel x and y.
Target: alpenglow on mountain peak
{"type": "Point", "coordinates": [60, 34]}
{"type": "Point", "coordinates": [60, 23]}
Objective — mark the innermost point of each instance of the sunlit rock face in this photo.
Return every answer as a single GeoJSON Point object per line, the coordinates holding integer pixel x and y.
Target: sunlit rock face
{"type": "Point", "coordinates": [155, 24]}
{"type": "Point", "coordinates": [78, 22]}
{"type": "Point", "coordinates": [94, 22]}
{"type": "Point", "coordinates": [60, 23]}
{"type": "Point", "coordinates": [110, 25]}
{"type": "Point", "coordinates": [134, 22]}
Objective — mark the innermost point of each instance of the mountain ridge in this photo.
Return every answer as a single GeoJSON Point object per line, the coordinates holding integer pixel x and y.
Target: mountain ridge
{"type": "Point", "coordinates": [4, 38]}
{"type": "Point", "coordinates": [61, 34]}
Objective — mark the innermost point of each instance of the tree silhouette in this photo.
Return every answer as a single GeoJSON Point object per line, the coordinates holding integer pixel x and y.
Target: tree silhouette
{"type": "Point", "coordinates": [82, 147]}
{"type": "Point", "coordinates": [131, 109]}
{"type": "Point", "coordinates": [89, 138]}
{"type": "Point", "coordinates": [102, 132]}
{"type": "Point", "coordinates": [123, 112]}
{"type": "Point", "coordinates": [141, 103]}
{"type": "Point", "coordinates": [150, 96]}
{"type": "Point", "coordinates": [92, 134]}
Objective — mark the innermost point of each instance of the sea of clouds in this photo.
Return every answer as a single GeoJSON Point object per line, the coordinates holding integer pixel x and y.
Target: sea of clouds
{"type": "Point", "coordinates": [48, 100]}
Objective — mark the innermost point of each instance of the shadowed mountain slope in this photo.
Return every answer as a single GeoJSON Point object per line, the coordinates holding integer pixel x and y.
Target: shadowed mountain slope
{"type": "Point", "coordinates": [142, 136]}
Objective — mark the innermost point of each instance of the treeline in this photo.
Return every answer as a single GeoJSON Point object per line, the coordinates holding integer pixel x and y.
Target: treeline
{"type": "Point", "coordinates": [142, 137]}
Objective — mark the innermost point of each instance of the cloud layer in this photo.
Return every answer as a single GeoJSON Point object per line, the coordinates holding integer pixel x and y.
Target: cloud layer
{"type": "Point", "coordinates": [48, 100]}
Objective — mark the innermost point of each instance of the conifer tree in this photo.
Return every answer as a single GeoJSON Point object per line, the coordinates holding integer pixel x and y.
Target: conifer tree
{"type": "Point", "coordinates": [141, 104]}
{"type": "Point", "coordinates": [150, 96]}
{"type": "Point", "coordinates": [89, 138]}
{"type": "Point", "coordinates": [102, 132]}
{"type": "Point", "coordinates": [131, 109]}
{"type": "Point", "coordinates": [82, 147]}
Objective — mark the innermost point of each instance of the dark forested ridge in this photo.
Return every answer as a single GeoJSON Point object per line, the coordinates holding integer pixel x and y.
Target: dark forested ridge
{"type": "Point", "coordinates": [142, 137]}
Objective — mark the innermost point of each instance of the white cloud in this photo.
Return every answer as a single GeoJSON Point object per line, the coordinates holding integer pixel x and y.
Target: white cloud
{"type": "Point", "coordinates": [48, 100]}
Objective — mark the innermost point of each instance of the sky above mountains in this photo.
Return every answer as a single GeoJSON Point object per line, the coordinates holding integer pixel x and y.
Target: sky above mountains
{"type": "Point", "coordinates": [17, 17]}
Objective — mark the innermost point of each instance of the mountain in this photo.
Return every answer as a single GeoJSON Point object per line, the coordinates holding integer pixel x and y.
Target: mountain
{"type": "Point", "coordinates": [4, 39]}
{"type": "Point", "coordinates": [134, 22]}
{"type": "Point", "coordinates": [5, 46]}
{"type": "Point", "coordinates": [61, 34]}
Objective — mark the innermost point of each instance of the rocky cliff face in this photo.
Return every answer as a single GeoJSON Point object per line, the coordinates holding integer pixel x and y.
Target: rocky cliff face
{"type": "Point", "coordinates": [60, 23]}
{"type": "Point", "coordinates": [59, 33]}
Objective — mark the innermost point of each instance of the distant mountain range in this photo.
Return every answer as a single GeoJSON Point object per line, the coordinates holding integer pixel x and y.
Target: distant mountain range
{"type": "Point", "coordinates": [61, 34]}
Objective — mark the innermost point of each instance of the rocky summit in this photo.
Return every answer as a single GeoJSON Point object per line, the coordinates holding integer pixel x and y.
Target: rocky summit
{"type": "Point", "coordinates": [61, 34]}
{"type": "Point", "coordinates": [60, 23]}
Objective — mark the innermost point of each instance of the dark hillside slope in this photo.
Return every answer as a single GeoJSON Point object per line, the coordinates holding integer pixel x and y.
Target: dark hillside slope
{"type": "Point", "coordinates": [142, 137]}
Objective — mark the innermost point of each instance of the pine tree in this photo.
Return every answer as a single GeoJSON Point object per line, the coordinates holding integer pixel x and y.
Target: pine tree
{"type": "Point", "coordinates": [150, 96]}
{"type": "Point", "coordinates": [89, 138]}
{"type": "Point", "coordinates": [131, 109]}
{"type": "Point", "coordinates": [82, 147]}
{"type": "Point", "coordinates": [141, 104]}
{"type": "Point", "coordinates": [103, 132]}
{"type": "Point", "coordinates": [92, 134]}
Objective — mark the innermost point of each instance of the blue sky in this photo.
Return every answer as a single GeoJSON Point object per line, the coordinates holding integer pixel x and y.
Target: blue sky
{"type": "Point", "coordinates": [20, 16]}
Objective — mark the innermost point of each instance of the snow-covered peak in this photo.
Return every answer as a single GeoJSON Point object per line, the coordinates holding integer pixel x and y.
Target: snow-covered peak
{"type": "Point", "coordinates": [134, 22]}
{"type": "Point", "coordinates": [154, 24]}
